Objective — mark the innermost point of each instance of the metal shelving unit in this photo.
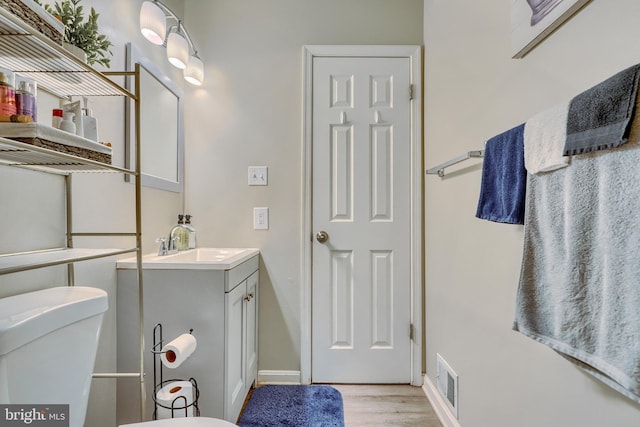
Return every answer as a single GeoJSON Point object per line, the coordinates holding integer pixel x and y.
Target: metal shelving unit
{"type": "Point", "coordinates": [16, 153]}
{"type": "Point", "coordinates": [27, 52]}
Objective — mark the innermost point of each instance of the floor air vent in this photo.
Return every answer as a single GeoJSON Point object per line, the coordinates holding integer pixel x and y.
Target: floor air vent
{"type": "Point", "coordinates": [447, 385]}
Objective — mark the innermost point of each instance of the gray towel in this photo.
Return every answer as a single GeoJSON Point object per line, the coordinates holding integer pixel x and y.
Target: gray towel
{"type": "Point", "coordinates": [599, 118]}
{"type": "Point", "coordinates": [579, 289]}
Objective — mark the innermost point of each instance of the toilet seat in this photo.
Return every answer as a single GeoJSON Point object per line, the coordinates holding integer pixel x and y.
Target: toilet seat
{"type": "Point", "coordinates": [184, 422]}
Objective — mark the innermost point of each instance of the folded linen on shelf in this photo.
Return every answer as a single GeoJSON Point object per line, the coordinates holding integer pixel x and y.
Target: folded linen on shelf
{"type": "Point", "coordinates": [502, 191]}
{"type": "Point", "coordinates": [599, 118]}
{"type": "Point", "coordinates": [544, 138]}
{"type": "Point", "coordinates": [579, 289]}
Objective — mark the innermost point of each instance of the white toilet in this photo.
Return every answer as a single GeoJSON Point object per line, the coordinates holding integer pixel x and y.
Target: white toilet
{"type": "Point", "coordinates": [48, 344]}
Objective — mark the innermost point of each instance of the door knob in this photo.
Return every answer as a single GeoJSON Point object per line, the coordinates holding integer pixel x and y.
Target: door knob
{"type": "Point", "coordinates": [322, 236]}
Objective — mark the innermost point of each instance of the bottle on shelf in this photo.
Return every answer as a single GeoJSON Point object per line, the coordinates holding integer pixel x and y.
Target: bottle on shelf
{"type": "Point", "coordinates": [26, 94]}
{"type": "Point", "coordinates": [7, 93]}
{"type": "Point", "coordinates": [89, 123]}
{"type": "Point", "coordinates": [56, 117]}
{"type": "Point", "coordinates": [67, 124]}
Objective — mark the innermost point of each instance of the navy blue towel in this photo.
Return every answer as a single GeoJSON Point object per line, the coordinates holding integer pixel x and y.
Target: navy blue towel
{"type": "Point", "coordinates": [504, 178]}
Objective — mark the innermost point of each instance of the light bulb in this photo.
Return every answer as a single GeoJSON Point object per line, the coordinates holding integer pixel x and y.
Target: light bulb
{"type": "Point", "coordinates": [177, 50]}
{"type": "Point", "coordinates": [153, 23]}
{"type": "Point", "coordinates": [194, 72]}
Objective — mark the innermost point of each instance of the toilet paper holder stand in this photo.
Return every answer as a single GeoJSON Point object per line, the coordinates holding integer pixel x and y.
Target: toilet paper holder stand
{"type": "Point", "coordinates": [180, 403]}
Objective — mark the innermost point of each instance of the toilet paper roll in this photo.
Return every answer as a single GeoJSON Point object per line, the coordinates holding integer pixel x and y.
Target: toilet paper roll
{"type": "Point", "coordinates": [178, 350]}
{"type": "Point", "coordinates": [167, 395]}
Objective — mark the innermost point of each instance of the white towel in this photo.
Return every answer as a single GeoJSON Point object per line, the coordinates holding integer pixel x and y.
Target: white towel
{"type": "Point", "coordinates": [544, 139]}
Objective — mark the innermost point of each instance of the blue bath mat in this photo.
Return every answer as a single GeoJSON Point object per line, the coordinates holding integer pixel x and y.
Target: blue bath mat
{"type": "Point", "coordinates": [293, 406]}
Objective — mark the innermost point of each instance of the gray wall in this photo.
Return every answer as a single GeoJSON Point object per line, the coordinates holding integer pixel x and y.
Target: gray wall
{"type": "Point", "coordinates": [474, 90]}
{"type": "Point", "coordinates": [249, 113]}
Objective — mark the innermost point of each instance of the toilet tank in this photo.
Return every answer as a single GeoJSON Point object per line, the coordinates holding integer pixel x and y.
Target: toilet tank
{"type": "Point", "coordinates": [48, 343]}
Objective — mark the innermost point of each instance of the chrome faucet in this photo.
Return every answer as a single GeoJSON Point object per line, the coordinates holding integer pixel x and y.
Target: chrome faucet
{"type": "Point", "coordinates": [171, 241]}
{"type": "Point", "coordinates": [162, 250]}
{"type": "Point", "coordinates": [168, 244]}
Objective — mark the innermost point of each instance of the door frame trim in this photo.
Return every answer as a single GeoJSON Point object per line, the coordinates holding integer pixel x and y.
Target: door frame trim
{"type": "Point", "coordinates": [414, 53]}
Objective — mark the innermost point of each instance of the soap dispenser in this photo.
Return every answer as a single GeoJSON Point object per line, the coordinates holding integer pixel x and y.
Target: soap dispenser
{"type": "Point", "coordinates": [192, 231]}
{"type": "Point", "coordinates": [181, 235]}
{"type": "Point", "coordinates": [67, 124]}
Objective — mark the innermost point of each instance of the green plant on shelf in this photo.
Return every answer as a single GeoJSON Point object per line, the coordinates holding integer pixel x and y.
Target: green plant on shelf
{"type": "Point", "coordinates": [81, 33]}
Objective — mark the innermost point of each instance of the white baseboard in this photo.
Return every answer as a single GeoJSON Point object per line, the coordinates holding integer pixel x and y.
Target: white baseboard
{"type": "Point", "coordinates": [278, 377]}
{"type": "Point", "coordinates": [439, 406]}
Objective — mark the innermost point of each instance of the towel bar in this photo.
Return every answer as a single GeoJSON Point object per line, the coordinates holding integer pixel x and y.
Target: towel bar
{"type": "Point", "coordinates": [439, 169]}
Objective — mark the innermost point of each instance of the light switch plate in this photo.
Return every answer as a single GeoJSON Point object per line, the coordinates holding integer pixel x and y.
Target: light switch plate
{"type": "Point", "coordinates": [258, 175]}
{"type": "Point", "coordinates": [260, 218]}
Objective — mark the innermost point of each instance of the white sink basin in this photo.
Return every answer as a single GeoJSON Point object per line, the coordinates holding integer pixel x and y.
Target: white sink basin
{"type": "Point", "coordinates": [193, 259]}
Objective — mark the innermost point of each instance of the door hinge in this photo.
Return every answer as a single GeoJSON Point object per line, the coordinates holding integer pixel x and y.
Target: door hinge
{"type": "Point", "coordinates": [411, 331]}
{"type": "Point", "coordinates": [411, 89]}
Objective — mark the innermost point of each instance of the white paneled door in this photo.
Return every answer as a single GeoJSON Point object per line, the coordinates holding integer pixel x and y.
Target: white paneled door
{"type": "Point", "coordinates": [361, 220]}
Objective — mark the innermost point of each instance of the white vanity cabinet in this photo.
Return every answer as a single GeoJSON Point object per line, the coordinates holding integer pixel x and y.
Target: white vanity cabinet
{"type": "Point", "coordinates": [241, 344]}
{"type": "Point", "coordinates": [221, 306]}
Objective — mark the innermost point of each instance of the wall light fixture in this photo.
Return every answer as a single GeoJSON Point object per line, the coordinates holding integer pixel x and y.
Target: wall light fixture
{"type": "Point", "coordinates": [181, 52]}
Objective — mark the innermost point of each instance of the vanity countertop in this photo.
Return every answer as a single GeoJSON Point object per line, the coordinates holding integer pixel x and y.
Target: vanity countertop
{"type": "Point", "coordinates": [193, 259]}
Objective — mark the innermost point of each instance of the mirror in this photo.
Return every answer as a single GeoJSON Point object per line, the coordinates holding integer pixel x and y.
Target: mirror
{"type": "Point", "coordinates": [161, 126]}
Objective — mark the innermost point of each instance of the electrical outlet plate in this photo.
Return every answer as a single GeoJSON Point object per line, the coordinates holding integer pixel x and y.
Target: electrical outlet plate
{"type": "Point", "coordinates": [260, 218]}
{"type": "Point", "coordinates": [258, 175]}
